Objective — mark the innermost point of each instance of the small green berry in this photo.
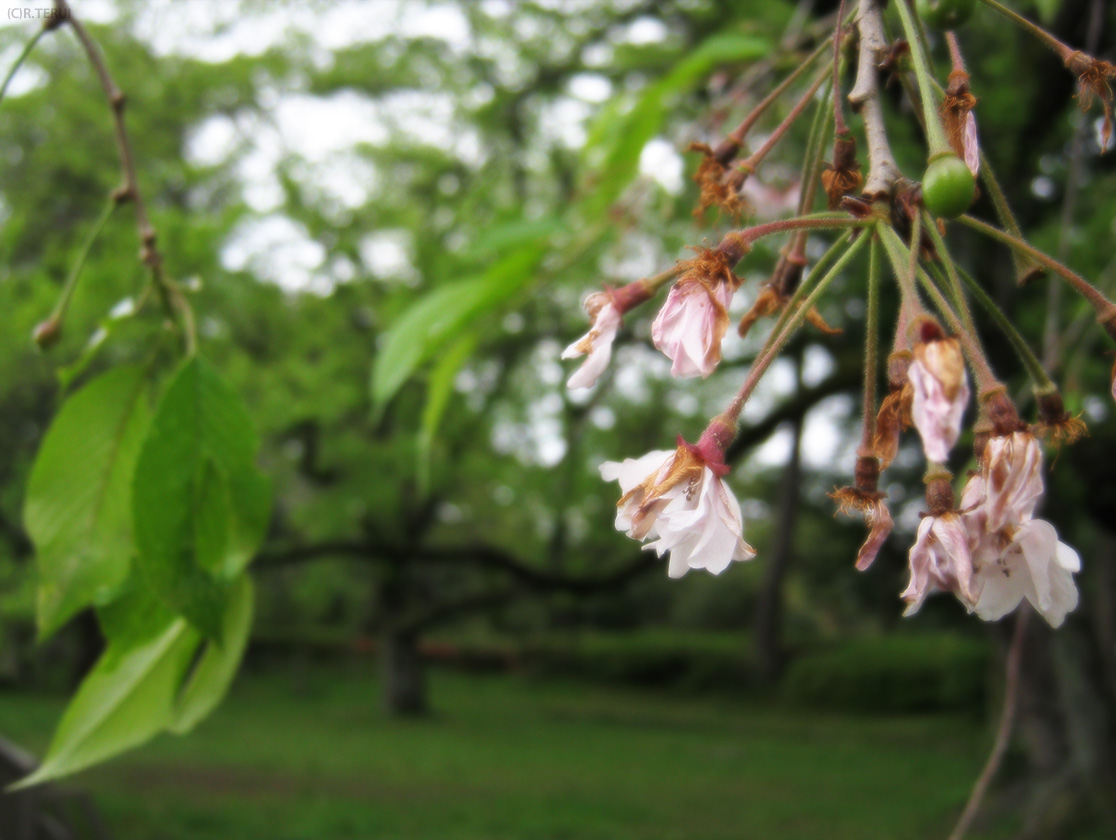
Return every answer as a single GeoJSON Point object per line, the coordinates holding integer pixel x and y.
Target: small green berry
{"type": "Point", "coordinates": [945, 14]}
{"type": "Point", "coordinates": [948, 187]}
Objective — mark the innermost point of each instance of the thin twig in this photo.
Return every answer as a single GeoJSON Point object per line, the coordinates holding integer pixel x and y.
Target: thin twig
{"type": "Point", "coordinates": [1003, 732]}
{"type": "Point", "coordinates": [175, 306]}
{"type": "Point", "coordinates": [865, 98]}
{"type": "Point", "coordinates": [1051, 338]}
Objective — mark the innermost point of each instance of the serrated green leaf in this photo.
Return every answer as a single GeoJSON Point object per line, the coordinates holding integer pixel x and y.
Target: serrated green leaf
{"type": "Point", "coordinates": [78, 507]}
{"type": "Point", "coordinates": [199, 505]}
{"type": "Point", "coordinates": [214, 674]}
{"type": "Point", "coordinates": [127, 698]}
{"type": "Point", "coordinates": [428, 325]}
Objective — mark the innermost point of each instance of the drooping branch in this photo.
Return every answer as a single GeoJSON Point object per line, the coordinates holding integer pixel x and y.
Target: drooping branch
{"type": "Point", "coordinates": [479, 556]}
{"type": "Point", "coordinates": [175, 306]}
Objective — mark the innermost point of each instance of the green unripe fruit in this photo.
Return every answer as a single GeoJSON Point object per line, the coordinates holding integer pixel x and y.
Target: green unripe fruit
{"type": "Point", "coordinates": [948, 187]}
{"type": "Point", "coordinates": [945, 14]}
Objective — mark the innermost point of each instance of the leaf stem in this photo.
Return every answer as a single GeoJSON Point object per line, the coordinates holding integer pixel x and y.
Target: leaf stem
{"type": "Point", "coordinates": [871, 345]}
{"type": "Point", "coordinates": [75, 270]}
{"type": "Point", "coordinates": [954, 284]}
{"type": "Point", "coordinates": [985, 379]}
{"type": "Point", "coordinates": [26, 51]}
{"type": "Point", "coordinates": [777, 341]}
{"type": "Point", "coordinates": [1063, 50]}
{"type": "Point", "coordinates": [753, 160]}
{"type": "Point", "coordinates": [1106, 311]}
{"type": "Point", "coordinates": [1026, 355]}
{"type": "Point", "coordinates": [1025, 267]}
{"type": "Point", "coordinates": [935, 134]}
{"type": "Point", "coordinates": [728, 148]}
{"type": "Point", "coordinates": [821, 265]}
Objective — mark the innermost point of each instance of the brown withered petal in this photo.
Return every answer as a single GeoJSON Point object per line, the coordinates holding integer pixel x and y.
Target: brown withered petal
{"type": "Point", "coordinates": [710, 267]}
{"type": "Point", "coordinates": [716, 190]}
{"type": "Point", "coordinates": [954, 110]}
{"type": "Point", "coordinates": [1066, 429]}
{"type": "Point", "coordinates": [851, 501]}
{"type": "Point", "coordinates": [945, 361]}
{"type": "Point", "coordinates": [842, 176]}
{"type": "Point", "coordinates": [818, 322]}
{"type": "Point", "coordinates": [1094, 78]}
{"type": "Point", "coordinates": [893, 417]}
{"type": "Point", "coordinates": [872, 507]}
{"type": "Point", "coordinates": [879, 521]}
{"type": "Point", "coordinates": [768, 303]}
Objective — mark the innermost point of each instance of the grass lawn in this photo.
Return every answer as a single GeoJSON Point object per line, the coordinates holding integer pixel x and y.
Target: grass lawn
{"type": "Point", "coordinates": [312, 758]}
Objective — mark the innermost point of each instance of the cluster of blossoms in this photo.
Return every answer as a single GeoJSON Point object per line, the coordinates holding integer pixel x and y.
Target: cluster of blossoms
{"type": "Point", "coordinates": [989, 550]}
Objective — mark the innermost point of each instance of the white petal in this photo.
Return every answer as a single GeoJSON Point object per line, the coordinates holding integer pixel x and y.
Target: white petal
{"type": "Point", "coordinates": [1000, 592]}
{"type": "Point", "coordinates": [600, 338]}
{"type": "Point", "coordinates": [632, 471]}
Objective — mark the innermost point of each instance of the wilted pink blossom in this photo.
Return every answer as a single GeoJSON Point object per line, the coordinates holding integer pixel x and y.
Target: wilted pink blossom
{"type": "Point", "coordinates": [1011, 471]}
{"type": "Point", "coordinates": [690, 326]}
{"type": "Point", "coordinates": [1014, 555]}
{"type": "Point", "coordinates": [1031, 563]}
{"type": "Point", "coordinates": [940, 561]}
{"type": "Point", "coordinates": [941, 391]}
{"type": "Point", "coordinates": [677, 500]}
{"type": "Point", "coordinates": [596, 344]}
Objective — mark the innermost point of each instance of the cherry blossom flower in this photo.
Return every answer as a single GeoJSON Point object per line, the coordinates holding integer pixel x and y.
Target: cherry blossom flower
{"type": "Point", "coordinates": [1031, 564]}
{"type": "Point", "coordinates": [940, 560]}
{"type": "Point", "coordinates": [678, 500]}
{"type": "Point", "coordinates": [596, 344]}
{"type": "Point", "coordinates": [941, 390]}
{"type": "Point", "coordinates": [690, 326]}
{"type": "Point", "coordinates": [1014, 555]}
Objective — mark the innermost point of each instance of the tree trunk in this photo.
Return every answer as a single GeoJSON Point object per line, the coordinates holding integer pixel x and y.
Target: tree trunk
{"type": "Point", "coordinates": [402, 675]}
{"type": "Point", "coordinates": [770, 656]}
{"type": "Point", "coordinates": [402, 678]}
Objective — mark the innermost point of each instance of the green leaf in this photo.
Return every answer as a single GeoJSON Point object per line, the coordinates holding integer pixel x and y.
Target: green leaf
{"type": "Point", "coordinates": [439, 389]}
{"type": "Point", "coordinates": [126, 699]}
{"type": "Point", "coordinates": [135, 617]}
{"type": "Point", "coordinates": [214, 674]}
{"type": "Point", "coordinates": [78, 508]}
{"type": "Point", "coordinates": [432, 322]}
{"type": "Point", "coordinates": [200, 505]}
{"type": "Point", "coordinates": [251, 500]}
{"type": "Point", "coordinates": [500, 238]}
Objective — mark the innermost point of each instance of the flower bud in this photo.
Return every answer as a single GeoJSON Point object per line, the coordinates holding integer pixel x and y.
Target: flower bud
{"type": "Point", "coordinates": [47, 333]}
